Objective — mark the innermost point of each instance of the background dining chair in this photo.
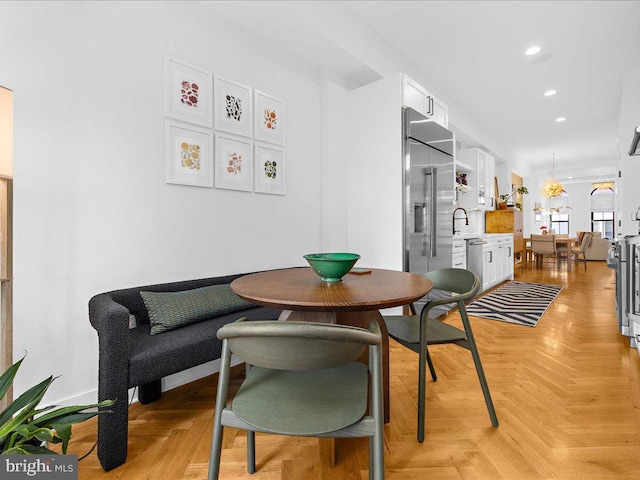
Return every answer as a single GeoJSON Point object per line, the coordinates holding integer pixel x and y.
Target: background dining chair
{"type": "Point", "coordinates": [542, 245]}
{"type": "Point", "coordinates": [303, 380]}
{"type": "Point", "coordinates": [417, 332]}
{"type": "Point", "coordinates": [562, 249]}
{"type": "Point", "coordinates": [578, 251]}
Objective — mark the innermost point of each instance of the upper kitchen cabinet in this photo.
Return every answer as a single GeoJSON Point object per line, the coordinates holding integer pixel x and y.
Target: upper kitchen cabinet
{"type": "Point", "coordinates": [482, 178]}
{"type": "Point", "coordinates": [417, 97]}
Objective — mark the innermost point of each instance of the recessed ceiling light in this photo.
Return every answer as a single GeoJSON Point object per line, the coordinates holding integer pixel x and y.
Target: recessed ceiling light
{"type": "Point", "coordinates": [560, 119]}
{"type": "Point", "coordinates": [548, 93]}
{"type": "Point", "coordinates": [532, 50]}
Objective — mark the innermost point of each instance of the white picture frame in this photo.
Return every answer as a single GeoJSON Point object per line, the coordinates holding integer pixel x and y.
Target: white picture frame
{"type": "Point", "coordinates": [233, 102]}
{"type": "Point", "coordinates": [188, 93]}
{"type": "Point", "coordinates": [188, 155]}
{"type": "Point", "coordinates": [269, 118]}
{"type": "Point", "coordinates": [233, 162]}
{"type": "Point", "coordinates": [269, 169]}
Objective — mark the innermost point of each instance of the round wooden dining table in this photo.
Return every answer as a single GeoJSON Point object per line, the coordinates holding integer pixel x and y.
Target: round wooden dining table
{"type": "Point", "coordinates": [356, 300]}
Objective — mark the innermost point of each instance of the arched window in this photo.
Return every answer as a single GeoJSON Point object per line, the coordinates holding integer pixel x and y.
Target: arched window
{"type": "Point", "coordinates": [602, 212]}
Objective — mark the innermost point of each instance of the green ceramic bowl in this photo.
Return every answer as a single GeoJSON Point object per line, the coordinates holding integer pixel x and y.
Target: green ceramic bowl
{"type": "Point", "coordinates": [331, 267]}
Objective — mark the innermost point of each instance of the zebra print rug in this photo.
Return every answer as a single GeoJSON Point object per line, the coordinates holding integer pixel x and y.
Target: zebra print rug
{"type": "Point", "coordinates": [522, 303]}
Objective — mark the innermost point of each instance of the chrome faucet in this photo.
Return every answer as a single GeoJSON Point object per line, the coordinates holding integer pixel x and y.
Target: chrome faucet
{"type": "Point", "coordinates": [466, 218]}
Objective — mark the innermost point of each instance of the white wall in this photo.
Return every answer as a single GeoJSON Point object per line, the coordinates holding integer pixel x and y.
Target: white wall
{"type": "Point", "coordinates": [580, 201]}
{"type": "Point", "coordinates": [629, 200]}
{"type": "Point", "coordinates": [375, 196]}
{"type": "Point", "coordinates": [6, 132]}
{"type": "Point", "coordinates": [92, 209]}
{"type": "Point", "coordinates": [335, 158]}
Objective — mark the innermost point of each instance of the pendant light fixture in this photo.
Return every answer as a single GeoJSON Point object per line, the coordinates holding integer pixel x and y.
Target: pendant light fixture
{"type": "Point", "coordinates": [552, 188]}
{"type": "Point", "coordinates": [602, 184]}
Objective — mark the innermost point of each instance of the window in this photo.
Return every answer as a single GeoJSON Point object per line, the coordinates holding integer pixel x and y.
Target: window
{"type": "Point", "coordinates": [603, 222]}
{"type": "Point", "coordinates": [560, 222]}
{"type": "Point", "coordinates": [602, 216]}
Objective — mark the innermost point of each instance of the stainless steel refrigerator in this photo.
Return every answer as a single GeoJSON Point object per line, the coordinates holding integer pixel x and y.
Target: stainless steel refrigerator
{"type": "Point", "coordinates": [428, 160]}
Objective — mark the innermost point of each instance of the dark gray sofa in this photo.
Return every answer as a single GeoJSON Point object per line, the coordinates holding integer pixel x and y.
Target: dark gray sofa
{"type": "Point", "coordinates": [130, 357]}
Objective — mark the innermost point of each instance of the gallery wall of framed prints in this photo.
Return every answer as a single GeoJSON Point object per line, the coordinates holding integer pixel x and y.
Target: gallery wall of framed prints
{"type": "Point", "coordinates": [220, 133]}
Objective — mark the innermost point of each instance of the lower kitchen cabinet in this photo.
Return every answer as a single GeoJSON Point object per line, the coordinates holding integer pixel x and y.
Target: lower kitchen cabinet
{"type": "Point", "coordinates": [459, 254]}
{"type": "Point", "coordinates": [491, 259]}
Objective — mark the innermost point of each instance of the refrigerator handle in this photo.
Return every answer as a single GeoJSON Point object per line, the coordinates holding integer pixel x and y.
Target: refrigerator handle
{"type": "Point", "coordinates": [434, 209]}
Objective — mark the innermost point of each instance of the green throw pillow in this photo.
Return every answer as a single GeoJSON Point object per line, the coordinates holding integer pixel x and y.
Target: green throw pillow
{"type": "Point", "coordinates": [169, 310]}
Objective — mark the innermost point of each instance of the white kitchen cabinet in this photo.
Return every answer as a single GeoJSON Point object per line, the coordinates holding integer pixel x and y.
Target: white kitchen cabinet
{"type": "Point", "coordinates": [482, 177]}
{"type": "Point", "coordinates": [497, 260]}
{"type": "Point", "coordinates": [505, 258]}
{"type": "Point", "coordinates": [459, 253]}
{"type": "Point", "coordinates": [489, 266]}
{"type": "Point", "coordinates": [417, 97]}
{"type": "Point", "coordinates": [414, 95]}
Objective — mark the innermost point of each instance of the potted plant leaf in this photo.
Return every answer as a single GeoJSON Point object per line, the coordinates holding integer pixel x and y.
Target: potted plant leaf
{"type": "Point", "coordinates": [521, 191]}
{"type": "Point", "coordinates": [27, 429]}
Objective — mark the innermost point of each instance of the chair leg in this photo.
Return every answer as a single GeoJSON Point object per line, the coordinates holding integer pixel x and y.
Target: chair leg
{"type": "Point", "coordinates": [251, 451]}
{"type": "Point", "coordinates": [221, 401]}
{"type": "Point", "coordinates": [478, 364]}
{"type": "Point", "coordinates": [216, 451]}
{"type": "Point", "coordinates": [421, 395]}
{"type": "Point", "coordinates": [434, 377]}
{"type": "Point", "coordinates": [371, 447]}
{"type": "Point", "coordinates": [378, 457]}
{"type": "Point", "coordinates": [376, 442]}
{"type": "Point", "coordinates": [483, 384]}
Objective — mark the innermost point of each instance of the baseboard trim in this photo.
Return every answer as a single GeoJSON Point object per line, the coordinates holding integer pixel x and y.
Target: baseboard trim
{"type": "Point", "coordinates": [168, 383]}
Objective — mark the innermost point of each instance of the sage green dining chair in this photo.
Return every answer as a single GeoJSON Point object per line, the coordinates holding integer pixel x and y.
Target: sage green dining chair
{"type": "Point", "coordinates": [416, 332]}
{"type": "Point", "coordinates": [302, 380]}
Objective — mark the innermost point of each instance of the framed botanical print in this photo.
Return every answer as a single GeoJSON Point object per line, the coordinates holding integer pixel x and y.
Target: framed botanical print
{"type": "Point", "coordinates": [187, 93]}
{"type": "Point", "coordinates": [269, 169]}
{"type": "Point", "coordinates": [269, 118]}
{"type": "Point", "coordinates": [233, 162]}
{"type": "Point", "coordinates": [232, 107]}
{"type": "Point", "coordinates": [189, 155]}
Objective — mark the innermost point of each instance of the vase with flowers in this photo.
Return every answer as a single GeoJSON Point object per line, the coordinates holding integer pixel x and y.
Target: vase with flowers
{"type": "Point", "coordinates": [543, 229]}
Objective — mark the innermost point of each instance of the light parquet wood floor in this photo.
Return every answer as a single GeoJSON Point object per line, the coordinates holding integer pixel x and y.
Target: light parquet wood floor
{"type": "Point", "coordinates": [567, 394]}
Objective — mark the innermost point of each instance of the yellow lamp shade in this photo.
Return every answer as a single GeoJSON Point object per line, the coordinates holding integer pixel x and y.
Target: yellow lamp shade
{"type": "Point", "coordinates": [551, 188]}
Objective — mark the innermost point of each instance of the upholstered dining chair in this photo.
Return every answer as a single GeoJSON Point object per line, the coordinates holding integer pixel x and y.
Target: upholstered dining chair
{"type": "Point", "coordinates": [578, 251]}
{"type": "Point", "coordinates": [542, 245]}
{"type": "Point", "coordinates": [303, 380]}
{"type": "Point", "coordinates": [416, 332]}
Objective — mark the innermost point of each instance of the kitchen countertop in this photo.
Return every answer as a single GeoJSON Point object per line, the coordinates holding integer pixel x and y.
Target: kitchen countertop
{"type": "Point", "coordinates": [469, 236]}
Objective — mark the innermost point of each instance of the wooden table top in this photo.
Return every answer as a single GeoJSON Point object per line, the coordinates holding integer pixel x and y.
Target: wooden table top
{"type": "Point", "coordinates": [301, 289]}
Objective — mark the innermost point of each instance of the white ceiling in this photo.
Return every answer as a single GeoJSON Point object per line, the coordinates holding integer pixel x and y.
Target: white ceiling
{"type": "Point", "coordinates": [472, 53]}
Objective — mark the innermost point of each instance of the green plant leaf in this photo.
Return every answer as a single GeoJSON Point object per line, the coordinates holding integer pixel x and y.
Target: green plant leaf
{"type": "Point", "coordinates": [7, 377]}
{"type": "Point", "coordinates": [22, 421]}
{"type": "Point", "coordinates": [60, 413]}
{"type": "Point", "coordinates": [25, 399]}
{"type": "Point", "coordinates": [64, 432]}
{"type": "Point", "coordinates": [26, 405]}
{"type": "Point", "coordinates": [43, 434]}
{"type": "Point", "coordinates": [28, 449]}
